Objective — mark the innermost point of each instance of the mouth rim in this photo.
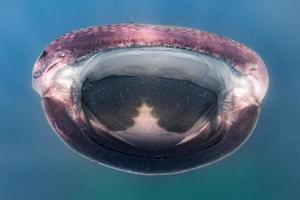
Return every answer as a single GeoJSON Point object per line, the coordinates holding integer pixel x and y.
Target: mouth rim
{"type": "Point", "coordinates": [70, 78]}
{"type": "Point", "coordinates": [84, 75]}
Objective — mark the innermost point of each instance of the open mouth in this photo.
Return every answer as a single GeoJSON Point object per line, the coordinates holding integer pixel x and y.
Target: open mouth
{"type": "Point", "coordinates": [148, 98]}
{"type": "Point", "coordinates": [153, 98]}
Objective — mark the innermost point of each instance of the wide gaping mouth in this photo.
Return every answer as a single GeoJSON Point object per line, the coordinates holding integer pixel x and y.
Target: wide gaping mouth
{"type": "Point", "coordinates": [152, 98]}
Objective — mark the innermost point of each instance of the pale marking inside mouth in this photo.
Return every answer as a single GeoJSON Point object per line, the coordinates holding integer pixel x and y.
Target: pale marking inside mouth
{"type": "Point", "coordinates": [203, 70]}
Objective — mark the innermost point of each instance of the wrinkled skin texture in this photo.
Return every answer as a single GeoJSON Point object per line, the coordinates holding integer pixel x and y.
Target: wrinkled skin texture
{"type": "Point", "coordinates": [60, 100]}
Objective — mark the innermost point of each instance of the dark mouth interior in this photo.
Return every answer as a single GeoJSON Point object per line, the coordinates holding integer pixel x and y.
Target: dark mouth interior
{"type": "Point", "coordinates": [177, 104]}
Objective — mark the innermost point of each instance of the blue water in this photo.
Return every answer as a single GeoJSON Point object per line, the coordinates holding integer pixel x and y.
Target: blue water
{"type": "Point", "coordinates": [35, 164]}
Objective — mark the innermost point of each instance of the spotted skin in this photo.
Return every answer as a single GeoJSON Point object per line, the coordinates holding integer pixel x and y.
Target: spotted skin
{"type": "Point", "coordinates": [79, 44]}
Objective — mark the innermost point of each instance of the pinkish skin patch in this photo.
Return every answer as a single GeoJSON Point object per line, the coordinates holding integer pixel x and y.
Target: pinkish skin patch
{"type": "Point", "coordinates": [76, 45]}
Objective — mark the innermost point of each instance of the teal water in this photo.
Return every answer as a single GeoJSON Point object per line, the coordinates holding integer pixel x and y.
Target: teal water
{"type": "Point", "coordinates": [35, 164]}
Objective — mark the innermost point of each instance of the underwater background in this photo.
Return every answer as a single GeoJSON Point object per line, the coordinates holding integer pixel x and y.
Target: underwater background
{"type": "Point", "coordinates": [34, 162]}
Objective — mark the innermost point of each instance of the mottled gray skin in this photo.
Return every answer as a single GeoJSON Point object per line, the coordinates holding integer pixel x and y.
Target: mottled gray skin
{"type": "Point", "coordinates": [78, 45]}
